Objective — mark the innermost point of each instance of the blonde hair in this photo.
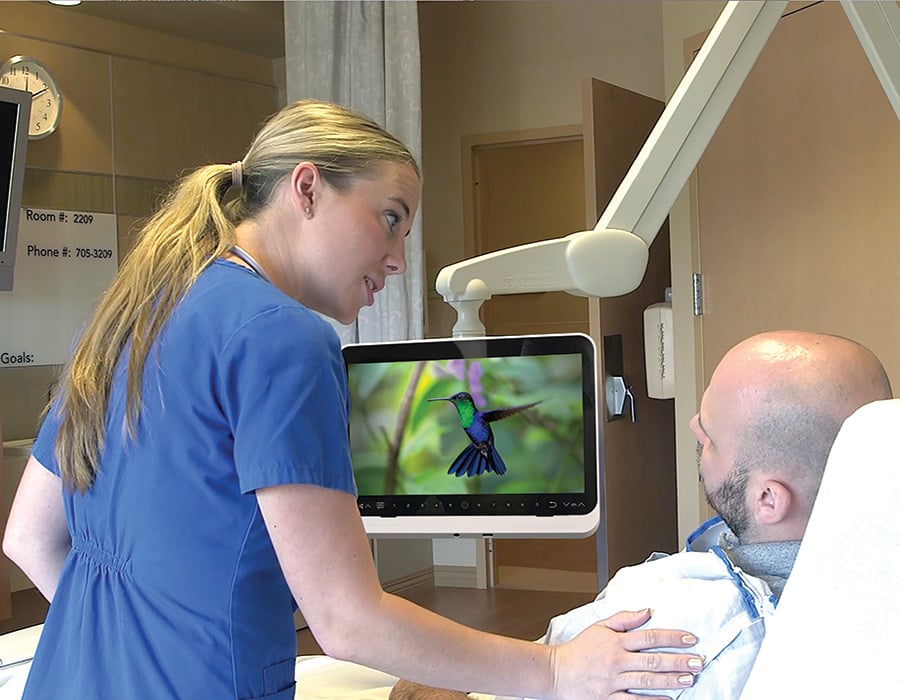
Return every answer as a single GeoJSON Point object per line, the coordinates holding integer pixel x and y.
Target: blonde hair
{"type": "Point", "coordinates": [193, 227]}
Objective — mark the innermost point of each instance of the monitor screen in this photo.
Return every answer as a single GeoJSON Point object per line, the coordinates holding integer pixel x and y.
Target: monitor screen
{"type": "Point", "coordinates": [490, 436]}
{"type": "Point", "coordinates": [15, 107]}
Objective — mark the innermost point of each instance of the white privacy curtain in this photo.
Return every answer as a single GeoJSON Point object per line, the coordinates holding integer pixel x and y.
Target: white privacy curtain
{"type": "Point", "coordinates": [365, 55]}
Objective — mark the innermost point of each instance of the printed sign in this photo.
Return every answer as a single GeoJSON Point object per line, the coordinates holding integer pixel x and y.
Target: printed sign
{"type": "Point", "coordinates": [64, 262]}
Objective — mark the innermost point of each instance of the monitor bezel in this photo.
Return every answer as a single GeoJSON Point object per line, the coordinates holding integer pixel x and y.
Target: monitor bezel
{"type": "Point", "coordinates": [541, 515]}
{"type": "Point", "coordinates": [13, 185]}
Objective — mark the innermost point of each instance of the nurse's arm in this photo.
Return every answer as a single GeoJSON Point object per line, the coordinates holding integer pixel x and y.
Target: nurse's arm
{"type": "Point", "coordinates": [322, 548]}
{"type": "Point", "coordinates": [36, 537]}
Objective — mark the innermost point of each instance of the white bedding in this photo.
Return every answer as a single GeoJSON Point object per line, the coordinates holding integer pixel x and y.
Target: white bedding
{"type": "Point", "coordinates": [324, 678]}
{"type": "Point", "coordinates": [16, 650]}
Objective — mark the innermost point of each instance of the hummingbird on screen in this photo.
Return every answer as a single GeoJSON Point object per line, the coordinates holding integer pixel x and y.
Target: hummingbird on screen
{"type": "Point", "coordinates": [480, 455]}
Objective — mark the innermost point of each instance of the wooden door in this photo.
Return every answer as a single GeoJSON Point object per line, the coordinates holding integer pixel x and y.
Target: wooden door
{"type": "Point", "coordinates": [798, 198]}
{"type": "Point", "coordinates": [639, 457]}
{"type": "Point", "coordinates": [529, 190]}
{"type": "Point", "coordinates": [531, 187]}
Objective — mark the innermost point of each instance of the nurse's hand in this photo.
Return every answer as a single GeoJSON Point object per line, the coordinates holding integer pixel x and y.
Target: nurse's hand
{"type": "Point", "coordinates": [611, 657]}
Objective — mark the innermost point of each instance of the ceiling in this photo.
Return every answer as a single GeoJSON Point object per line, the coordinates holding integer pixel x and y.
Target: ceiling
{"type": "Point", "coordinates": [252, 26]}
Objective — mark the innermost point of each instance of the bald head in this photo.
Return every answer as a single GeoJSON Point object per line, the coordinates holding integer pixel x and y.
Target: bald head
{"type": "Point", "coordinates": [775, 404]}
{"type": "Point", "coordinates": [832, 374]}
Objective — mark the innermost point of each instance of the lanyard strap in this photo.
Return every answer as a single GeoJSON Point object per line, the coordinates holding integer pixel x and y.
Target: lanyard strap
{"type": "Point", "coordinates": [247, 258]}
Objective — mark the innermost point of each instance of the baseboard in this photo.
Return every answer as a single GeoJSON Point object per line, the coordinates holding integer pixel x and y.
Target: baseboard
{"type": "Point", "coordinates": [412, 580]}
{"type": "Point", "coordinates": [535, 579]}
{"type": "Point", "coordinates": [456, 576]}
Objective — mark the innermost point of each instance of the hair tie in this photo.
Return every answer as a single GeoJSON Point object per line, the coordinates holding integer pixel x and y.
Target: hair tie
{"type": "Point", "coordinates": [237, 174]}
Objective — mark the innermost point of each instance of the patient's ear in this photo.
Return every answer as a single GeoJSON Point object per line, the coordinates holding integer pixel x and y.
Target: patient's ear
{"type": "Point", "coordinates": [772, 503]}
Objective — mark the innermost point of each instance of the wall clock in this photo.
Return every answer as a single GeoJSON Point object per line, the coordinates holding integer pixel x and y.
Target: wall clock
{"type": "Point", "coordinates": [29, 74]}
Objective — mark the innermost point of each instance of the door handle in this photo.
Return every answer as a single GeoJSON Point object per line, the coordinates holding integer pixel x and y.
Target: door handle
{"type": "Point", "coordinates": [618, 392]}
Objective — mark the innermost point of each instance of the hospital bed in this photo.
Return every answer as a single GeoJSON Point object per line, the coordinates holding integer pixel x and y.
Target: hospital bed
{"type": "Point", "coordinates": [833, 634]}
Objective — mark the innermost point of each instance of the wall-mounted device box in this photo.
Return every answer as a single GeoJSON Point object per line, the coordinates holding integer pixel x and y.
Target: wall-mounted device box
{"type": "Point", "coordinates": [659, 351]}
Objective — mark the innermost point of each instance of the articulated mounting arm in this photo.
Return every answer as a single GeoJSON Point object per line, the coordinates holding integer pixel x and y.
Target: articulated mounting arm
{"type": "Point", "coordinates": [611, 259]}
{"type": "Point", "coordinates": [598, 262]}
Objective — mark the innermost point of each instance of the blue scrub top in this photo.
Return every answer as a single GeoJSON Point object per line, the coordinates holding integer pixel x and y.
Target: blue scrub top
{"type": "Point", "coordinates": [172, 588]}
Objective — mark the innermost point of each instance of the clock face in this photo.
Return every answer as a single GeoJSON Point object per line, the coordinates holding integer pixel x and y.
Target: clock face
{"type": "Point", "coordinates": [30, 75]}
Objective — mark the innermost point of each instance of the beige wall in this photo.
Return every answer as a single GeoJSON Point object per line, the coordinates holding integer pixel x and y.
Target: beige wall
{"type": "Point", "coordinates": [492, 67]}
{"type": "Point", "coordinates": [853, 315]}
{"type": "Point", "coordinates": [139, 108]}
{"type": "Point", "coordinates": [683, 19]}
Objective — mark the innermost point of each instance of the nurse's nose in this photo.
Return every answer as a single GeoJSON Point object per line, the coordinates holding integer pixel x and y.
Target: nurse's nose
{"type": "Point", "coordinates": [395, 260]}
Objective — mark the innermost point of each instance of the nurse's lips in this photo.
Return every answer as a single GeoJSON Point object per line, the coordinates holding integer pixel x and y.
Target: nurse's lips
{"type": "Point", "coordinates": [371, 288]}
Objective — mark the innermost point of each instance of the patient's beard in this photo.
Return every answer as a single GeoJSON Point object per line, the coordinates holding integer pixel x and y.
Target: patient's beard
{"type": "Point", "coordinates": [729, 500]}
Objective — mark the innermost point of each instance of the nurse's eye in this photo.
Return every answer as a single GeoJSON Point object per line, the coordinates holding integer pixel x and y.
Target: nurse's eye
{"type": "Point", "coordinates": [393, 218]}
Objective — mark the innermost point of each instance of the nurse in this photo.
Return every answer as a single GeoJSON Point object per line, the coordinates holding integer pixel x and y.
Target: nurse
{"type": "Point", "coordinates": [192, 478]}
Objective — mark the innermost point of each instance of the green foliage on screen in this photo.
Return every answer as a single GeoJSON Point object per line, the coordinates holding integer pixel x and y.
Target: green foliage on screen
{"type": "Point", "coordinates": [403, 444]}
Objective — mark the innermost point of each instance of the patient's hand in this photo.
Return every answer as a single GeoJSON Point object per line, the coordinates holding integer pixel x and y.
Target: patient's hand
{"type": "Point", "coordinates": [407, 690]}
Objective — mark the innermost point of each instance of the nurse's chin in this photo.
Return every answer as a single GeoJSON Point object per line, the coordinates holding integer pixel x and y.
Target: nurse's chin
{"type": "Point", "coordinates": [346, 318]}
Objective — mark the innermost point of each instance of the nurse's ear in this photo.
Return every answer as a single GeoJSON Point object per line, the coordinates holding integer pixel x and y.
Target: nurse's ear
{"type": "Point", "coordinates": [306, 180]}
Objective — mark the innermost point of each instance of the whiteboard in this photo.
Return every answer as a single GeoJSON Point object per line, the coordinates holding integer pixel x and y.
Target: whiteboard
{"type": "Point", "coordinates": [65, 260]}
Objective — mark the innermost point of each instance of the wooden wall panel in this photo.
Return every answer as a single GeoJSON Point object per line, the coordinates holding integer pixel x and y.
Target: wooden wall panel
{"type": "Point", "coordinates": [170, 119]}
{"type": "Point", "coordinates": [64, 26]}
{"type": "Point", "coordinates": [23, 397]}
{"type": "Point", "coordinates": [137, 196]}
{"type": "Point", "coordinates": [83, 140]}
{"type": "Point", "coordinates": [55, 189]}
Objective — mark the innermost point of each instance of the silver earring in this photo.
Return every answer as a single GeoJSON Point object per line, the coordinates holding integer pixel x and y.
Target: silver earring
{"type": "Point", "coordinates": [307, 210]}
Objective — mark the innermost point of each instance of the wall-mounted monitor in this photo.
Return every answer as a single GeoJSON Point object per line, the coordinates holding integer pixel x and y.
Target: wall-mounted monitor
{"type": "Point", "coordinates": [486, 437]}
{"type": "Point", "coordinates": [15, 107]}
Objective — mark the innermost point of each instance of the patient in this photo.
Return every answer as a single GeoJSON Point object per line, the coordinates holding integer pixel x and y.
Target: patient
{"type": "Point", "coordinates": [766, 423]}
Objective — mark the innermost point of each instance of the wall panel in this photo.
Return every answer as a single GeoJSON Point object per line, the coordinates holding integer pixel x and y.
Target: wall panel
{"type": "Point", "coordinates": [169, 119]}
{"type": "Point", "coordinates": [83, 140]}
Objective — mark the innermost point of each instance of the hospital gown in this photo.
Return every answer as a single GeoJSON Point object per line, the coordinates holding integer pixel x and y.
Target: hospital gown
{"type": "Point", "coordinates": [699, 590]}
